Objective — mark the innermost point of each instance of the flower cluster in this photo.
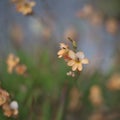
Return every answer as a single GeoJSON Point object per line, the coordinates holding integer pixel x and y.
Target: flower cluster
{"type": "Point", "coordinates": [24, 6]}
{"type": "Point", "coordinates": [74, 59]}
{"type": "Point", "coordinates": [97, 18]}
{"type": "Point", "coordinates": [9, 108]}
{"type": "Point", "coordinates": [13, 63]}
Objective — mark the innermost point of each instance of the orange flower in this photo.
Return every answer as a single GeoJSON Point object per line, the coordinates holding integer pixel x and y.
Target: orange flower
{"type": "Point", "coordinates": [88, 10]}
{"type": "Point", "coordinates": [96, 95]}
{"type": "Point", "coordinates": [8, 111]}
{"type": "Point", "coordinates": [114, 82]}
{"type": "Point", "coordinates": [4, 96]}
{"type": "Point", "coordinates": [20, 69]}
{"type": "Point", "coordinates": [112, 26]}
{"type": "Point", "coordinates": [71, 32]}
{"type": "Point", "coordinates": [64, 51]}
{"type": "Point", "coordinates": [77, 59]}
{"type": "Point", "coordinates": [75, 96]}
{"type": "Point", "coordinates": [12, 61]}
{"type": "Point", "coordinates": [25, 7]}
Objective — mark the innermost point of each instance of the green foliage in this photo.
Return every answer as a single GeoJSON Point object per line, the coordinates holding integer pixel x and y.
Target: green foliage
{"type": "Point", "coordinates": [39, 93]}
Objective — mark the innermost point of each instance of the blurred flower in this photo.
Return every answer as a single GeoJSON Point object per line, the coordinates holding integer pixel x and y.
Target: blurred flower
{"type": "Point", "coordinates": [80, 14]}
{"type": "Point", "coordinates": [20, 69]}
{"type": "Point", "coordinates": [4, 96]}
{"type": "Point", "coordinates": [96, 116]}
{"type": "Point", "coordinates": [111, 26]}
{"type": "Point", "coordinates": [25, 7]}
{"type": "Point", "coordinates": [114, 82]}
{"type": "Point", "coordinates": [96, 18]}
{"type": "Point", "coordinates": [71, 33]}
{"type": "Point", "coordinates": [46, 33]}
{"type": "Point", "coordinates": [74, 98]}
{"type": "Point", "coordinates": [8, 111]}
{"type": "Point", "coordinates": [12, 61]}
{"type": "Point", "coordinates": [88, 9]}
{"type": "Point", "coordinates": [96, 95]}
{"type": "Point", "coordinates": [85, 12]}
{"type": "Point", "coordinates": [77, 59]}
{"type": "Point", "coordinates": [71, 73]}
{"type": "Point", "coordinates": [16, 33]}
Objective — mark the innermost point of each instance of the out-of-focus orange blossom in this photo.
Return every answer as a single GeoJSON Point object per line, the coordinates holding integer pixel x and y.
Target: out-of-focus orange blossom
{"type": "Point", "coordinates": [24, 6]}
{"type": "Point", "coordinates": [114, 82]}
{"type": "Point", "coordinates": [8, 111]}
{"type": "Point", "coordinates": [96, 95]}
{"type": "Point", "coordinates": [12, 61]}
{"type": "Point", "coordinates": [6, 105]}
{"type": "Point", "coordinates": [75, 96]}
{"type": "Point", "coordinates": [71, 32]}
{"type": "Point", "coordinates": [20, 69]}
{"type": "Point", "coordinates": [112, 26]}
{"type": "Point", "coordinates": [4, 96]}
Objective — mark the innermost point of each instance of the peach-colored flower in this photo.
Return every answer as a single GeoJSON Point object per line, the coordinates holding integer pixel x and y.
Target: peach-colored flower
{"type": "Point", "coordinates": [112, 26]}
{"type": "Point", "coordinates": [8, 111]}
{"type": "Point", "coordinates": [71, 32]}
{"type": "Point", "coordinates": [75, 101]}
{"type": "Point", "coordinates": [12, 61]}
{"type": "Point", "coordinates": [25, 7]}
{"type": "Point", "coordinates": [114, 82]}
{"type": "Point", "coordinates": [88, 10]}
{"type": "Point", "coordinates": [4, 96]}
{"type": "Point", "coordinates": [96, 95]}
{"type": "Point", "coordinates": [96, 18]}
{"type": "Point", "coordinates": [20, 69]}
{"type": "Point", "coordinates": [64, 51]}
{"type": "Point", "coordinates": [77, 59]}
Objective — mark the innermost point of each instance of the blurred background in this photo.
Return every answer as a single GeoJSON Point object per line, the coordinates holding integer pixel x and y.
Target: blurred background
{"type": "Point", "coordinates": [46, 92]}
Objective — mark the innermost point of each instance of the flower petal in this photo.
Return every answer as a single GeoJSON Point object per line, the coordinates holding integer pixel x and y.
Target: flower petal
{"type": "Point", "coordinates": [74, 67]}
{"type": "Point", "coordinates": [63, 46]}
{"type": "Point", "coordinates": [80, 55]}
{"type": "Point", "coordinates": [71, 54]}
{"type": "Point", "coordinates": [71, 63]}
{"type": "Point", "coordinates": [85, 61]}
{"type": "Point", "coordinates": [60, 52]}
{"type": "Point", "coordinates": [80, 67]}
